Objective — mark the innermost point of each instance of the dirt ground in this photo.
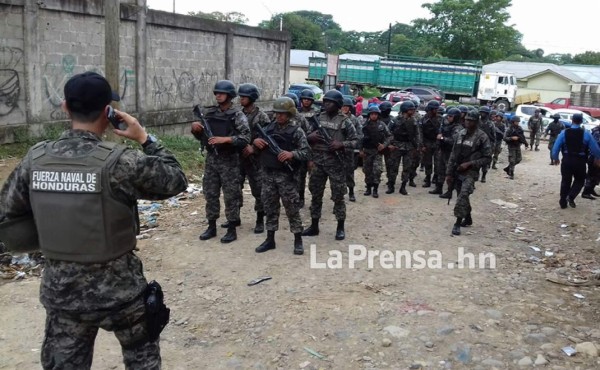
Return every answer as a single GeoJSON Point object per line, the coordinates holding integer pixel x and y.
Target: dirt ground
{"type": "Point", "coordinates": [362, 318]}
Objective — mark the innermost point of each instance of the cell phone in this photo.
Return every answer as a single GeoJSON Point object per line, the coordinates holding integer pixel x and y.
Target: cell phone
{"type": "Point", "coordinates": [114, 120]}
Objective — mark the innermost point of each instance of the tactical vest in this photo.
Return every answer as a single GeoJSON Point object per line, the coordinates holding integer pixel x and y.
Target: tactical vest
{"type": "Point", "coordinates": [334, 127]}
{"type": "Point", "coordinates": [574, 142]}
{"type": "Point", "coordinates": [488, 128]}
{"type": "Point", "coordinates": [447, 131]}
{"type": "Point", "coordinates": [536, 123]}
{"type": "Point", "coordinates": [77, 216]}
{"type": "Point", "coordinates": [387, 120]}
{"type": "Point", "coordinates": [555, 129]}
{"type": "Point", "coordinates": [500, 129]}
{"type": "Point", "coordinates": [405, 130]}
{"type": "Point", "coordinates": [222, 124]}
{"type": "Point", "coordinates": [285, 139]}
{"type": "Point", "coordinates": [372, 135]}
{"type": "Point", "coordinates": [430, 128]}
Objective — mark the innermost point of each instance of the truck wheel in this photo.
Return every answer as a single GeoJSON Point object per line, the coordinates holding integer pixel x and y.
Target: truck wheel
{"type": "Point", "coordinates": [503, 104]}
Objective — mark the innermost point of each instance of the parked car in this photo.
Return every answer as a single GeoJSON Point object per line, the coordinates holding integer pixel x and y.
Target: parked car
{"type": "Point", "coordinates": [589, 122]}
{"type": "Point", "coordinates": [396, 110]}
{"type": "Point", "coordinates": [399, 96]}
{"type": "Point", "coordinates": [566, 103]}
{"type": "Point", "coordinates": [525, 111]}
{"type": "Point", "coordinates": [426, 93]}
{"type": "Point", "coordinates": [297, 89]}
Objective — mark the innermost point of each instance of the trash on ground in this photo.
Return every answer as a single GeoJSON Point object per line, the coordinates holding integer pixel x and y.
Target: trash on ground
{"type": "Point", "coordinates": [569, 351]}
{"type": "Point", "coordinates": [314, 353]}
{"type": "Point", "coordinates": [580, 296]}
{"type": "Point", "coordinates": [259, 280]}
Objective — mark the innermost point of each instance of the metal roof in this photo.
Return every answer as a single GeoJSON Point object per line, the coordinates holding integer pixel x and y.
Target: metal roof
{"type": "Point", "coordinates": [524, 70]}
{"type": "Point", "coordinates": [300, 57]}
{"type": "Point", "coordinates": [589, 74]}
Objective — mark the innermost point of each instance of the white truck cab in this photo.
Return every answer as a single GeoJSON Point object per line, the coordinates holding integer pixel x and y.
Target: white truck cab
{"type": "Point", "coordinates": [498, 88]}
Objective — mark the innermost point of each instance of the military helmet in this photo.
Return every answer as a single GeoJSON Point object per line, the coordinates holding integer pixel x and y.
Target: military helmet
{"type": "Point", "coordinates": [348, 102]}
{"type": "Point", "coordinates": [484, 109]}
{"type": "Point", "coordinates": [432, 105]}
{"type": "Point", "coordinates": [493, 112]}
{"type": "Point", "coordinates": [472, 115]}
{"type": "Point", "coordinates": [454, 112]}
{"type": "Point", "coordinates": [285, 105]}
{"type": "Point", "coordinates": [556, 116]}
{"type": "Point", "coordinates": [441, 110]}
{"type": "Point", "coordinates": [225, 87]}
{"type": "Point", "coordinates": [374, 109]}
{"type": "Point", "coordinates": [307, 94]}
{"type": "Point", "coordinates": [294, 98]}
{"type": "Point", "coordinates": [249, 90]}
{"type": "Point", "coordinates": [515, 119]}
{"type": "Point", "coordinates": [416, 103]}
{"type": "Point", "coordinates": [334, 96]}
{"type": "Point", "coordinates": [463, 108]}
{"type": "Point", "coordinates": [386, 105]}
{"type": "Point", "coordinates": [406, 106]}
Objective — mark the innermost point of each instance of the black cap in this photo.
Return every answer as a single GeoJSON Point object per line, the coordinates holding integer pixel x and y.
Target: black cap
{"type": "Point", "coordinates": [88, 92]}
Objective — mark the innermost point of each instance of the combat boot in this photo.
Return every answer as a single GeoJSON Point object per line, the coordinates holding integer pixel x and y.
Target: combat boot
{"type": "Point", "coordinates": [340, 234]}
{"type": "Point", "coordinates": [427, 181]}
{"type": "Point", "coordinates": [456, 228]}
{"type": "Point", "coordinates": [411, 183]}
{"type": "Point", "coordinates": [507, 170]}
{"type": "Point", "coordinates": [467, 221]}
{"type": "Point", "coordinates": [211, 232]}
{"type": "Point", "coordinates": [226, 224]}
{"type": "Point", "coordinates": [259, 228]}
{"type": "Point", "coordinates": [494, 165]}
{"type": "Point", "coordinates": [483, 174]}
{"type": "Point", "coordinates": [368, 191]}
{"type": "Point", "coordinates": [537, 149]}
{"type": "Point", "coordinates": [391, 189]}
{"type": "Point", "coordinates": [298, 247]}
{"type": "Point", "coordinates": [511, 174]}
{"type": "Point", "coordinates": [403, 188]}
{"type": "Point", "coordinates": [447, 194]}
{"type": "Point", "coordinates": [230, 236]}
{"type": "Point", "coordinates": [313, 229]}
{"type": "Point", "coordinates": [437, 190]}
{"type": "Point", "coordinates": [268, 244]}
{"type": "Point", "coordinates": [375, 190]}
{"type": "Point", "coordinates": [351, 196]}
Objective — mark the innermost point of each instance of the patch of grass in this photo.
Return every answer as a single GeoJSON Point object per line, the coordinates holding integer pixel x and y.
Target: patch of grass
{"type": "Point", "coordinates": [370, 92]}
{"type": "Point", "coordinates": [186, 150]}
{"type": "Point", "coordinates": [17, 150]}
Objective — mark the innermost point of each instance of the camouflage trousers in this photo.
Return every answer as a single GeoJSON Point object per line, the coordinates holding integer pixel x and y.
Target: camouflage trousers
{"type": "Point", "coordinates": [282, 185]}
{"type": "Point", "coordinates": [69, 338]}
{"type": "Point", "coordinates": [551, 141]}
{"type": "Point", "coordinates": [372, 166]}
{"type": "Point", "coordinates": [514, 157]}
{"type": "Point", "coordinates": [222, 172]}
{"type": "Point", "coordinates": [300, 176]}
{"type": "Point", "coordinates": [415, 158]}
{"type": "Point", "coordinates": [337, 182]}
{"type": "Point", "coordinates": [464, 185]}
{"type": "Point", "coordinates": [250, 169]}
{"type": "Point", "coordinates": [441, 164]}
{"type": "Point", "coordinates": [427, 157]}
{"type": "Point", "coordinates": [395, 158]}
{"type": "Point", "coordinates": [534, 136]}
{"type": "Point", "coordinates": [497, 151]}
{"type": "Point", "coordinates": [350, 163]}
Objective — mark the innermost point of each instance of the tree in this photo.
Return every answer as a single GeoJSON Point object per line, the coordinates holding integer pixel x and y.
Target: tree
{"type": "Point", "coordinates": [233, 17]}
{"type": "Point", "coordinates": [325, 21]}
{"type": "Point", "coordinates": [304, 33]}
{"type": "Point", "coordinates": [469, 29]}
{"type": "Point", "coordinates": [589, 57]}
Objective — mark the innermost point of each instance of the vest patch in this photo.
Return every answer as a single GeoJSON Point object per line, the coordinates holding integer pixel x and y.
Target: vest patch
{"type": "Point", "coordinates": [66, 181]}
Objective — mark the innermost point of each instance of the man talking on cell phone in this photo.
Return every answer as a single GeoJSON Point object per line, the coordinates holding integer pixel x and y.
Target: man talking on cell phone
{"type": "Point", "coordinates": [81, 193]}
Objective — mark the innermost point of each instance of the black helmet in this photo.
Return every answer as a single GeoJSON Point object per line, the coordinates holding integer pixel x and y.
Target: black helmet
{"type": "Point", "coordinates": [348, 102]}
{"type": "Point", "coordinates": [249, 90]}
{"type": "Point", "coordinates": [307, 94]}
{"type": "Point", "coordinates": [484, 109]}
{"type": "Point", "coordinates": [463, 108]}
{"type": "Point", "coordinates": [386, 105]}
{"type": "Point", "coordinates": [284, 105]}
{"type": "Point", "coordinates": [374, 109]}
{"type": "Point", "coordinates": [441, 110]}
{"type": "Point", "coordinates": [515, 119]}
{"type": "Point", "coordinates": [334, 96]}
{"type": "Point", "coordinates": [406, 106]}
{"type": "Point", "coordinates": [455, 113]}
{"type": "Point", "coordinates": [493, 112]}
{"type": "Point", "coordinates": [225, 87]}
{"type": "Point", "coordinates": [416, 103]}
{"type": "Point", "coordinates": [472, 115]}
{"type": "Point", "coordinates": [556, 116]}
{"type": "Point", "coordinates": [432, 105]}
{"type": "Point", "coordinates": [294, 97]}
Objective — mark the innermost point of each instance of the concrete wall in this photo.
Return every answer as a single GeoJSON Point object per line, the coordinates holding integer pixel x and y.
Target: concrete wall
{"type": "Point", "coordinates": [298, 75]}
{"type": "Point", "coordinates": [167, 62]}
{"type": "Point", "coordinates": [548, 85]}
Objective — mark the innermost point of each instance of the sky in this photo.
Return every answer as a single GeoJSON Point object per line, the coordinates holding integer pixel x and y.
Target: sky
{"type": "Point", "coordinates": [572, 28]}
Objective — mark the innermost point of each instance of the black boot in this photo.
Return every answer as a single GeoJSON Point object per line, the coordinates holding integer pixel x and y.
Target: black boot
{"type": "Point", "coordinates": [259, 228]}
{"type": "Point", "coordinates": [494, 165]}
{"type": "Point", "coordinates": [368, 191]}
{"type": "Point", "coordinates": [403, 188]}
{"type": "Point", "coordinates": [437, 190]}
{"type": "Point", "coordinates": [507, 170]}
{"type": "Point", "coordinates": [375, 189]}
{"type": "Point", "coordinates": [537, 149]}
{"type": "Point", "coordinates": [230, 236]}
{"type": "Point", "coordinates": [447, 194]}
{"type": "Point", "coordinates": [427, 182]}
{"type": "Point", "coordinates": [587, 195]}
{"type": "Point", "coordinates": [226, 224]}
{"type": "Point", "coordinates": [351, 196]}
{"type": "Point", "coordinates": [467, 221]}
{"type": "Point", "coordinates": [483, 174]}
{"type": "Point", "coordinates": [411, 183]}
{"type": "Point", "coordinates": [313, 229]}
{"type": "Point", "coordinates": [298, 247]}
{"type": "Point", "coordinates": [268, 244]}
{"type": "Point", "coordinates": [211, 232]}
{"type": "Point", "coordinates": [456, 228]}
{"type": "Point", "coordinates": [511, 174]}
{"type": "Point", "coordinates": [340, 234]}
{"type": "Point", "coordinates": [391, 189]}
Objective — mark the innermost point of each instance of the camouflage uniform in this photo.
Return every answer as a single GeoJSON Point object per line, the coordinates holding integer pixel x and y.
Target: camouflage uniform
{"type": "Point", "coordinates": [449, 133]}
{"type": "Point", "coordinates": [250, 166]}
{"type": "Point", "coordinates": [499, 129]}
{"type": "Point", "coordinates": [351, 162]}
{"type": "Point", "coordinates": [430, 127]}
{"type": "Point", "coordinates": [80, 298]}
{"type": "Point", "coordinates": [406, 140]}
{"type": "Point", "coordinates": [473, 148]}
{"type": "Point", "coordinates": [554, 128]}
{"type": "Point", "coordinates": [328, 166]}
{"type": "Point", "coordinates": [489, 128]}
{"type": "Point", "coordinates": [303, 117]}
{"type": "Point", "coordinates": [374, 133]}
{"type": "Point", "coordinates": [514, 147]}
{"type": "Point", "coordinates": [535, 126]}
{"type": "Point", "coordinates": [387, 154]}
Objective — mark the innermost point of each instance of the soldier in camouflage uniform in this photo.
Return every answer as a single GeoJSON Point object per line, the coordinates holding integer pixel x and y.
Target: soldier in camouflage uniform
{"type": "Point", "coordinates": [470, 152]}
{"type": "Point", "coordinates": [430, 127]}
{"type": "Point", "coordinates": [406, 139]}
{"type": "Point", "coordinates": [514, 138]}
{"type": "Point", "coordinates": [416, 155]}
{"type": "Point", "coordinates": [554, 129]}
{"type": "Point", "coordinates": [489, 128]}
{"type": "Point", "coordinates": [86, 227]}
{"type": "Point", "coordinates": [306, 112]}
{"type": "Point", "coordinates": [229, 126]}
{"type": "Point", "coordinates": [376, 138]}
{"type": "Point", "coordinates": [463, 112]}
{"type": "Point", "coordinates": [351, 162]}
{"type": "Point", "coordinates": [385, 116]}
{"type": "Point", "coordinates": [279, 182]}
{"type": "Point", "coordinates": [499, 130]}
{"type": "Point", "coordinates": [535, 125]}
{"type": "Point", "coordinates": [249, 164]}
{"type": "Point", "coordinates": [328, 162]}
{"type": "Point", "coordinates": [446, 138]}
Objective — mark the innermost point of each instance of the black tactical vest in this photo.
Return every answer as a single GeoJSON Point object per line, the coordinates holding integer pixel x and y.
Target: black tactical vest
{"type": "Point", "coordinates": [284, 138]}
{"type": "Point", "coordinates": [222, 124]}
{"type": "Point", "coordinates": [447, 131]}
{"type": "Point", "coordinates": [334, 127]}
{"type": "Point", "coordinates": [574, 142]}
{"type": "Point", "coordinates": [372, 135]}
{"type": "Point", "coordinates": [430, 128]}
{"type": "Point", "coordinates": [405, 130]}
{"type": "Point", "coordinates": [77, 216]}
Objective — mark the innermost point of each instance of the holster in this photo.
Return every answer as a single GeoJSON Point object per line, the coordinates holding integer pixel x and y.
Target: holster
{"type": "Point", "coordinates": [157, 314]}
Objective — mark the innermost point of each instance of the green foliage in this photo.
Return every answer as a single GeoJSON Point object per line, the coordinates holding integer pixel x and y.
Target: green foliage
{"type": "Point", "coordinates": [186, 150]}
{"type": "Point", "coordinates": [304, 33]}
{"type": "Point", "coordinates": [234, 17]}
{"type": "Point", "coordinates": [370, 92]}
{"type": "Point", "coordinates": [589, 57]}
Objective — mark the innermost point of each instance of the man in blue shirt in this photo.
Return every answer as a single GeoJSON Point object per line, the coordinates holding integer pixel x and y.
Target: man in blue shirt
{"type": "Point", "coordinates": [574, 143]}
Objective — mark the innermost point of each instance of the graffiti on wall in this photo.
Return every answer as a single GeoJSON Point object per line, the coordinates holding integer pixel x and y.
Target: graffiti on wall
{"type": "Point", "coordinates": [181, 89]}
{"type": "Point", "coordinates": [10, 83]}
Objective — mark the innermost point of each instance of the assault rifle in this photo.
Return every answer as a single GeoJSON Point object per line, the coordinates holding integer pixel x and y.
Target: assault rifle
{"type": "Point", "coordinates": [273, 146]}
{"type": "Point", "coordinates": [325, 135]}
{"type": "Point", "coordinates": [207, 130]}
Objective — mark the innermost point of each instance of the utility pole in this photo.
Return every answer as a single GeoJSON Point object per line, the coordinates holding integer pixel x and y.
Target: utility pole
{"type": "Point", "coordinates": [173, 6]}
{"type": "Point", "coordinates": [389, 40]}
{"type": "Point", "coordinates": [112, 18]}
